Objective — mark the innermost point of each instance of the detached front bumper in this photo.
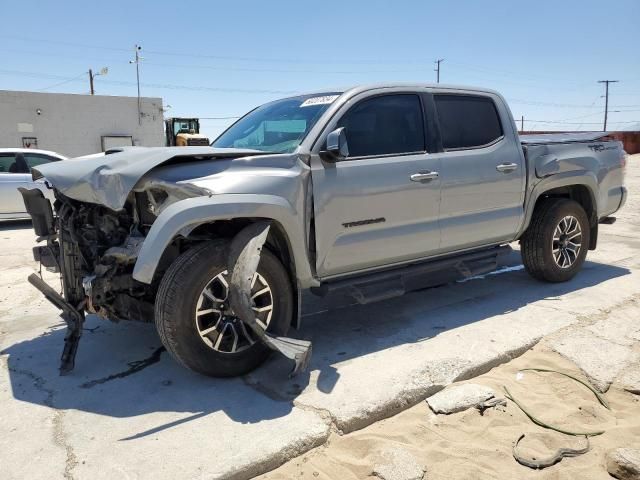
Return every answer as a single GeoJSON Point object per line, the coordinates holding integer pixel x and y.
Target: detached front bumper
{"type": "Point", "coordinates": [39, 208]}
{"type": "Point", "coordinates": [73, 317]}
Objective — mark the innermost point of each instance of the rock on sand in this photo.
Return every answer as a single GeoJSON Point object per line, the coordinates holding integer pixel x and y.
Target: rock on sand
{"type": "Point", "coordinates": [624, 463]}
{"type": "Point", "coordinates": [460, 397]}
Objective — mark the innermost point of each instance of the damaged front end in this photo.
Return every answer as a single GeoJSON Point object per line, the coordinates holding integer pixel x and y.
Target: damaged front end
{"type": "Point", "coordinates": [94, 250]}
{"type": "Point", "coordinates": [104, 210]}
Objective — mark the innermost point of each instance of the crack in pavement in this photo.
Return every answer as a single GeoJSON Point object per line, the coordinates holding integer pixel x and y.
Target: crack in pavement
{"type": "Point", "coordinates": [326, 416]}
{"type": "Point", "coordinates": [134, 367]}
{"type": "Point", "coordinates": [59, 435]}
{"type": "Point", "coordinates": [584, 321]}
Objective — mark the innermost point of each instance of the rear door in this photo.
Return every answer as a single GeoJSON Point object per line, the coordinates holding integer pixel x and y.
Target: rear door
{"type": "Point", "coordinates": [13, 174]}
{"type": "Point", "coordinates": [371, 209]}
{"type": "Point", "coordinates": [482, 171]}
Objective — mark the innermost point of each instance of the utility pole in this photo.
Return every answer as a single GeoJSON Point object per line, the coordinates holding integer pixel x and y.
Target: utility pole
{"type": "Point", "coordinates": [137, 49]}
{"type": "Point", "coordinates": [606, 100]}
{"type": "Point", "coordinates": [437, 69]}
{"type": "Point", "coordinates": [92, 76]}
{"type": "Point", "coordinates": [522, 123]}
{"type": "Point", "coordinates": [91, 82]}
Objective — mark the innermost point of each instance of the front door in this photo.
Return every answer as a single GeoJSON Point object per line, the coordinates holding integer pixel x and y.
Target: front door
{"type": "Point", "coordinates": [380, 204]}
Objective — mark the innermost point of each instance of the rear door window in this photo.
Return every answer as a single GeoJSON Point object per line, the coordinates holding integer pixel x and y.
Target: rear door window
{"type": "Point", "coordinates": [467, 121]}
{"type": "Point", "coordinates": [384, 125]}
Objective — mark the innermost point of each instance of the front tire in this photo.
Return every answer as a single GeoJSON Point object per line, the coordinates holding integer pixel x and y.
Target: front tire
{"type": "Point", "coordinates": [194, 320]}
{"type": "Point", "coordinates": [555, 245]}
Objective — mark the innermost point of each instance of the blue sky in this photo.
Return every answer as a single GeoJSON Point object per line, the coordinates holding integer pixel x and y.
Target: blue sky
{"type": "Point", "coordinates": [219, 59]}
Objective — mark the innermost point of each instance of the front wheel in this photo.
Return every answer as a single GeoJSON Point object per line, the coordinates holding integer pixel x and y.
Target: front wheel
{"type": "Point", "coordinates": [194, 319]}
{"type": "Point", "coordinates": [555, 245]}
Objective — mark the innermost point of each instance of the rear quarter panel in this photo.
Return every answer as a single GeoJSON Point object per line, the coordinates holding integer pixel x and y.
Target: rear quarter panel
{"type": "Point", "coordinates": [596, 165]}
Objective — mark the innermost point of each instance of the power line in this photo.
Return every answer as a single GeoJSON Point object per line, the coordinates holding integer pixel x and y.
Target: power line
{"type": "Point", "coordinates": [325, 71]}
{"type": "Point", "coordinates": [261, 59]}
{"type": "Point", "coordinates": [562, 105]}
{"type": "Point", "coordinates": [279, 70]}
{"type": "Point", "coordinates": [59, 42]}
{"type": "Point", "coordinates": [507, 73]}
{"type": "Point", "coordinates": [152, 85]}
{"type": "Point", "coordinates": [225, 68]}
{"type": "Point", "coordinates": [595, 100]}
{"type": "Point", "coordinates": [69, 80]}
{"type": "Point", "coordinates": [234, 58]}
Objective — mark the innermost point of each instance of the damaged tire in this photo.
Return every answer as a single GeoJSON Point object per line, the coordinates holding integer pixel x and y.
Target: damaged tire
{"type": "Point", "coordinates": [555, 245]}
{"type": "Point", "coordinates": [194, 319]}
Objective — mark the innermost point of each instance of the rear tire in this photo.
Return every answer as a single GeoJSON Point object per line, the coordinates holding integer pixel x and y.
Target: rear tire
{"type": "Point", "coordinates": [179, 306]}
{"type": "Point", "coordinates": [555, 245]}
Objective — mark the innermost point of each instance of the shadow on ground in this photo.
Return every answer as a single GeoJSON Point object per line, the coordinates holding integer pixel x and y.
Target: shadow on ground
{"type": "Point", "coordinates": [121, 372]}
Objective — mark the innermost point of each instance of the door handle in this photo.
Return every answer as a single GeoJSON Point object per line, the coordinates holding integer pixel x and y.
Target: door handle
{"type": "Point", "coordinates": [424, 176]}
{"type": "Point", "coordinates": [506, 167]}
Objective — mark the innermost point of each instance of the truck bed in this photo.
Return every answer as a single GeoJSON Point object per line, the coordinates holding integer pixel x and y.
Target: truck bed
{"type": "Point", "coordinates": [561, 137]}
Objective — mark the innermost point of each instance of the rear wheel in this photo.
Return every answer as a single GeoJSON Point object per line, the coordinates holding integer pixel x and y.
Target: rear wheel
{"type": "Point", "coordinates": [196, 323]}
{"type": "Point", "coordinates": [555, 245]}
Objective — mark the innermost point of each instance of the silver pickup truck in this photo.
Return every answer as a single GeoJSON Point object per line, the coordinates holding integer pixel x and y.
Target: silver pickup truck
{"type": "Point", "coordinates": [369, 191]}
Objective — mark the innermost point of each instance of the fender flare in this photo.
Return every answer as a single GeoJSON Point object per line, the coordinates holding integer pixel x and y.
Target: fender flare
{"type": "Point", "coordinates": [566, 179]}
{"type": "Point", "coordinates": [191, 212]}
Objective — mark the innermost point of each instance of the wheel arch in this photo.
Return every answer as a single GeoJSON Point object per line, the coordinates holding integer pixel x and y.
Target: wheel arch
{"type": "Point", "coordinates": [581, 189]}
{"type": "Point", "coordinates": [203, 218]}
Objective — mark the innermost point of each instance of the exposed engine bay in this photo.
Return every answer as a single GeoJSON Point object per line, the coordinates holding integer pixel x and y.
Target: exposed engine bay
{"type": "Point", "coordinates": [106, 245]}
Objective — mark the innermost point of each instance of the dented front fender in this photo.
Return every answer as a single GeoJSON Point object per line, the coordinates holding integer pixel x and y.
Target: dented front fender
{"type": "Point", "coordinates": [189, 213]}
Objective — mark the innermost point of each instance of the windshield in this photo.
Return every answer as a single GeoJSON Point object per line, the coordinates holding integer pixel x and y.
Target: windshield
{"type": "Point", "coordinates": [185, 126]}
{"type": "Point", "coordinates": [278, 126]}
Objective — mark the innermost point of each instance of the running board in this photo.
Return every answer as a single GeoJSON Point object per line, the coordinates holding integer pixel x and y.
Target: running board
{"type": "Point", "coordinates": [394, 282]}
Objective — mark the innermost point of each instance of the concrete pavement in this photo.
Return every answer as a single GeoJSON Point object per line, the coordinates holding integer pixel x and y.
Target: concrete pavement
{"type": "Point", "coordinates": [129, 411]}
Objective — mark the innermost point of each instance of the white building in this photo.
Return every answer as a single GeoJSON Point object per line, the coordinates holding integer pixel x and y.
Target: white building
{"type": "Point", "coordinates": [75, 125]}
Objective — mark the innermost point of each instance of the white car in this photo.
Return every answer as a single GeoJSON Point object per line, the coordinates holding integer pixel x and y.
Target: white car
{"type": "Point", "coordinates": [15, 172]}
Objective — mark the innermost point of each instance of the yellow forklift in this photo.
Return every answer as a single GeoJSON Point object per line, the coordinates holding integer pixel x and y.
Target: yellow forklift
{"type": "Point", "coordinates": [183, 132]}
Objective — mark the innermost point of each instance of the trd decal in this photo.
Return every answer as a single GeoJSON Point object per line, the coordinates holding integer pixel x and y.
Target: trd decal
{"type": "Point", "coordinates": [600, 148]}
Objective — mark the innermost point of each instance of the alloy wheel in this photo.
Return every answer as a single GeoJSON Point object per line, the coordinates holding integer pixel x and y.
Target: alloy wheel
{"type": "Point", "coordinates": [566, 242]}
{"type": "Point", "coordinates": [218, 326]}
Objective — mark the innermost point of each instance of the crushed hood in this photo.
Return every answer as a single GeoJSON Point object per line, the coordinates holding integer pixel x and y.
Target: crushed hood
{"type": "Point", "coordinates": [107, 180]}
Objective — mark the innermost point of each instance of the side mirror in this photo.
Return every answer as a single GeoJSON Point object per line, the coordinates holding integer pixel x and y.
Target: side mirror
{"type": "Point", "coordinates": [337, 147]}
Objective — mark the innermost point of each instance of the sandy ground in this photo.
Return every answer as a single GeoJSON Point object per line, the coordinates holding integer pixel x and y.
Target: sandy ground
{"type": "Point", "coordinates": [469, 445]}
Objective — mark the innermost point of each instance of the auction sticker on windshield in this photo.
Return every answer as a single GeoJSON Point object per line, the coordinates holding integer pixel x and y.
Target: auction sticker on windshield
{"type": "Point", "coordinates": [324, 100]}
